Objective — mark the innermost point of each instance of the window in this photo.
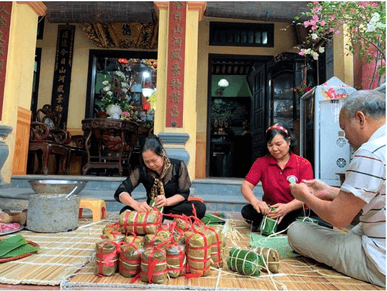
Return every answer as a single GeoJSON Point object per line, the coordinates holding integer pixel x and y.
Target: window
{"type": "Point", "coordinates": [241, 34]}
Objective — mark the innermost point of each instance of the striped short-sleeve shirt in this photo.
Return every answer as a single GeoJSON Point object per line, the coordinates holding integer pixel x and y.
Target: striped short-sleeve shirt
{"type": "Point", "coordinates": [366, 179]}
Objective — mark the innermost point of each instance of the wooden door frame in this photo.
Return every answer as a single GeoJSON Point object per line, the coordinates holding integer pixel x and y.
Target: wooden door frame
{"type": "Point", "coordinates": [211, 58]}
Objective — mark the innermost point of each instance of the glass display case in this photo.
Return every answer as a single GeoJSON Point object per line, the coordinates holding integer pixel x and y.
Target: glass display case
{"type": "Point", "coordinates": [286, 72]}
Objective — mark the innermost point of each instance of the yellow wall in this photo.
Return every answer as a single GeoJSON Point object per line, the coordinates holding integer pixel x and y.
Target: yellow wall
{"type": "Point", "coordinates": [284, 41]}
{"type": "Point", "coordinates": [19, 74]}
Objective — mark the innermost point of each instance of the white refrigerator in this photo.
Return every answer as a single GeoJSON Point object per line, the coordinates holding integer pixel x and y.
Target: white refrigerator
{"type": "Point", "coordinates": [322, 141]}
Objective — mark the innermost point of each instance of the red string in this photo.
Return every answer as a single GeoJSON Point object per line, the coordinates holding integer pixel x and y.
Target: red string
{"type": "Point", "coordinates": [180, 256]}
{"type": "Point", "coordinates": [144, 225]}
{"type": "Point", "coordinates": [217, 244]}
{"type": "Point", "coordinates": [136, 277]}
{"type": "Point", "coordinates": [205, 248]}
{"type": "Point", "coordinates": [152, 264]}
{"type": "Point", "coordinates": [129, 260]}
{"type": "Point", "coordinates": [106, 259]}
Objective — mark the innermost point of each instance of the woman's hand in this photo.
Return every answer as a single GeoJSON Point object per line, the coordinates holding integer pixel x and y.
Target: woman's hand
{"type": "Point", "coordinates": [261, 207]}
{"type": "Point", "coordinates": [280, 212]}
{"type": "Point", "coordinates": [161, 201]}
{"type": "Point", "coordinates": [142, 206]}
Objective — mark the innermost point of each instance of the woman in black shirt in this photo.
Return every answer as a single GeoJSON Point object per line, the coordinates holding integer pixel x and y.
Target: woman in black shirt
{"type": "Point", "coordinates": [166, 182]}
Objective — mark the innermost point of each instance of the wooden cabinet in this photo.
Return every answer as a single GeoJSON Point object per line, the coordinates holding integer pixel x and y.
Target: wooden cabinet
{"type": "Point", "coordinates": [274, 93]}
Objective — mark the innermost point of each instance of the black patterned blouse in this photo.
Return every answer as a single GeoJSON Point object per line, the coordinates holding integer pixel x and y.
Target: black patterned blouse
{"type": "Point", "coordinates": [176, 181]}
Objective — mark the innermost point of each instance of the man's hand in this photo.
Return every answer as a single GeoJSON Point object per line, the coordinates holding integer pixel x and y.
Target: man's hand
{"type": "Point", "coordinates": [161, 201]}
{"type": "Point", "coordinates": [261, 207]}
{"type": "Point", "coordinates": [280, 212]}
{"type": "Point", "coordinates": [142, 206]}
{"type": "Point", "coordinates": [320, 189]}
{"type": "Point", "coordinates": [300, 191]}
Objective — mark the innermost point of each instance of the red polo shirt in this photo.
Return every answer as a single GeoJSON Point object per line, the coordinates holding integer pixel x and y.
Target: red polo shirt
{"type": "Point", "coordinates": [275, 181]}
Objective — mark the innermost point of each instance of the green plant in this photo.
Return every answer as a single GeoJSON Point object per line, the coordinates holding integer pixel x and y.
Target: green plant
{"type": "Point", "coordinates": [116, 91]}
{"type": "Point", "coordinates": [364, 22]}
{"type": "Point", "coordinates": [303, 88]}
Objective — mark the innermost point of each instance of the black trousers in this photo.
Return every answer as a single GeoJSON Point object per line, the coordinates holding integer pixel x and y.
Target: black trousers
{"type": "Point", "coordinates": [253, 217]}
{"type": "Point", "coordinates": [184, 207]}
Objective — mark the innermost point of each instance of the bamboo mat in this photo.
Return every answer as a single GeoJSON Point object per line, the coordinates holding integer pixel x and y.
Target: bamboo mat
{"type": "Point", "coordinates": [295, 274]}
{"type": "Point", "coordinates": [60, 255]}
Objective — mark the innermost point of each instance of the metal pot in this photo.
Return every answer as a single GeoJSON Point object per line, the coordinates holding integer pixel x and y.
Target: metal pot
{"type": "Point", "coordinates": [52, 212]}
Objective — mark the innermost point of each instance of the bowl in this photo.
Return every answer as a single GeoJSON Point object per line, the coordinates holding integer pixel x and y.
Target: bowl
{"type": "Point", "coordinates": [57, 186]}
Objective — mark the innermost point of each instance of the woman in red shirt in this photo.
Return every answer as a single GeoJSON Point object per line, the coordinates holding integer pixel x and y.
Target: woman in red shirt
{"type": "Point", "coordinates": [276, 171]}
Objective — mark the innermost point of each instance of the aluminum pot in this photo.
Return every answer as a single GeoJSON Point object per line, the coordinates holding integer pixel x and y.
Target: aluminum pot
{"type": "Point", "coordinates": [52, 212]}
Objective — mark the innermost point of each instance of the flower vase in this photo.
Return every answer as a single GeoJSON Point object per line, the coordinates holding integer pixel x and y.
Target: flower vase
{"type": "Point", "coordinates": [114, 111]}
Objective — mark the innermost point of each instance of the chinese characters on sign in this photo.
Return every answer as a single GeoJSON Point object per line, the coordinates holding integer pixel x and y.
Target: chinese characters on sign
{"type": "Point", "coordinates": [175, 70]}
{"type": "Point", "coordinates": [62, 73]}
{"type": "Point", "coordinates": [5, 21]}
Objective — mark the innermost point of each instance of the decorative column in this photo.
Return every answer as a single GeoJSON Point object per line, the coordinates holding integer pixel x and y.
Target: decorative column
{"type": "Point", "coordinates": [175, 117]}
{"type": "Point", "coordinates": [16, 78]}
{"type": "Point", "coordinates": [343, 60]}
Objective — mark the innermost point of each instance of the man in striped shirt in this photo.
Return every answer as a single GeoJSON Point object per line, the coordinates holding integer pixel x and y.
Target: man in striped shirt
{"type": "Point", "coordinates": [361, 253]}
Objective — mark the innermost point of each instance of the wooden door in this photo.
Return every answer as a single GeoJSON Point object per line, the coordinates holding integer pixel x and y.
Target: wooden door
{"type": "Point", "coordinates": [259, 113]}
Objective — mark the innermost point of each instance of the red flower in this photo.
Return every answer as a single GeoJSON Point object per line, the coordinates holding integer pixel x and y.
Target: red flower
{"type": "Point", "coordinates": [307, 89]}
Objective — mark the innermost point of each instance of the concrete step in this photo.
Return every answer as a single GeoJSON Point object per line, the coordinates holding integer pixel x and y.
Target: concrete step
{"type": "Point", "coordinates": [221, 187]}
{"type": "Point", "coordinates": [221, 194]}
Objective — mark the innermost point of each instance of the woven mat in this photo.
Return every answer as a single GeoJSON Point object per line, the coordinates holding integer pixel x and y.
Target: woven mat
{"type": "Point", "coordinates": [60, 255]}
{"type": "Point", "coordinates": [279, 243]}
{"type": "Point", "coordinates": [295, 274]}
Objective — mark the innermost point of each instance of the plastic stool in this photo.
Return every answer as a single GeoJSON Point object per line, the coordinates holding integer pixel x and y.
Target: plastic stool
{"type": "Point", "coordinates": [97, 206]}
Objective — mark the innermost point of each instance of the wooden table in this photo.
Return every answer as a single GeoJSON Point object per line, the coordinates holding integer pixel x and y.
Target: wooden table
{"type": "Point", "coordinates": [109, 143]}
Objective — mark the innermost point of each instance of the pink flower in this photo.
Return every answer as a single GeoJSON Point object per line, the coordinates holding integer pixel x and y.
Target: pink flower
{"type": "Point", "coordinates": [337, 31]}
{"type": "Point", "coordinates": [340, 22]}
{"type": "Point", "coordinates": [342, 54]}
{"type": "Point", "coordinates": [333, 17]}
{"type": "Point", "coordinates": [306, 23]}
{"type": "Point", "coordinates": [313, 28]}
{"type": "Point", "coordinates": [312, 22]}
{"type": "Point", "coordinates": [374, 4]}
{"type": "Point", "coordinates": [302, 53]}
{"type": "Point", "coordinates": [315, 17]}
{"type": "Point", "coordinates": [322, 23]}
{"type": "Point", "coordinates": [383, 62]}
{"type": "Point", "coordinates": [331, 30]}
{"type": "Point", "coordinates": [355, 29]}
{"type": "Point", "coordinates": [315, 2]}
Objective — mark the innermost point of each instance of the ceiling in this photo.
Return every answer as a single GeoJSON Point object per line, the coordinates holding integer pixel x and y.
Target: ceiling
{"type": "Point", "coordinates": [143, 11]}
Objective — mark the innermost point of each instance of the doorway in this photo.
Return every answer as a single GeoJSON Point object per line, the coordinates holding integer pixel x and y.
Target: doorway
{"type": "Point", "coordinates": [230, 123]}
